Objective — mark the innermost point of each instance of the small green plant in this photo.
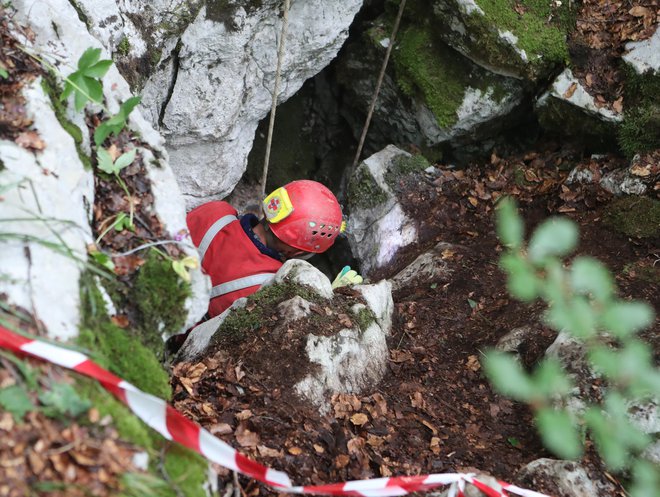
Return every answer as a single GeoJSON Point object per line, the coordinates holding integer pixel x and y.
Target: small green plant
{"type": "Point", "coordinates": [4, 74]}
{"type": "Point", "coordinates": [116, 123]}
{"type": "Point", "coordinates": [581, 299]}
{"type": "Point", "coordinates": [107, 165]}
{"type": "Point", "coordinates": [85, 83]}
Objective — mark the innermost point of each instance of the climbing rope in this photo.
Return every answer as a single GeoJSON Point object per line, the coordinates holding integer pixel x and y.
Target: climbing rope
{"type": "Point", "coordinates": [372, 106]}
{"type": "Point", "coordinates": [271, 124]}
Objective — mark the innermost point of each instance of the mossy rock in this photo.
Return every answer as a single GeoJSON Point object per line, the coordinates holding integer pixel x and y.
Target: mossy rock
{"type": "Point", "coordinates": [634, 216]}
{"type": "Point", "coordinates": [404, 164]}
{"type": "Point", "coordinates": [364, 192]}
{"type": "Point", "coordinates": [429, 71]}
{"type": "Point", "coordinates": [240, 322]}
{"type": "Point", "coordinates": [159, 295]}
{"type": "Point", "coordinates": [520, 39]}
{"type": "Point", "coordinates": [640, 131]}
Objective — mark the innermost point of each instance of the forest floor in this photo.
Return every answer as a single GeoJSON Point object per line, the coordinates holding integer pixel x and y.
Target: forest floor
{"type": "Point", "coordinates": [434, 411]}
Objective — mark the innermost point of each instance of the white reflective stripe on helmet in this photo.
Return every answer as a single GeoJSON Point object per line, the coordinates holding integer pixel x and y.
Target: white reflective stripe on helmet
{"type": "Point", "coordinates": [241, 283]}
{"type": "Point", "coordinates": [211, 232]}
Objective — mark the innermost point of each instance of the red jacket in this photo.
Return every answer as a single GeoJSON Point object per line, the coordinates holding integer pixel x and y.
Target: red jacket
{"type": "Point", "coordinates": [236, 265]}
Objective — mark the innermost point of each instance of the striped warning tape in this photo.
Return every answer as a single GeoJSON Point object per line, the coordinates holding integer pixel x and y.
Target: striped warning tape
{"type": "Point", "coordinates": [174, 426]}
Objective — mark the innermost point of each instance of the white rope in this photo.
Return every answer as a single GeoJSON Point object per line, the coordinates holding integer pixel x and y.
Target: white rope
{"type": "Point", "coordinates": [271, 125]}
{"type": "Point", "coordinates": [372, 106]}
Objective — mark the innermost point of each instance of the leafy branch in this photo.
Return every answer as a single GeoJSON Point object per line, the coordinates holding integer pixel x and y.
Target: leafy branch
{"type": "Point", "coordinates": [581, 299]}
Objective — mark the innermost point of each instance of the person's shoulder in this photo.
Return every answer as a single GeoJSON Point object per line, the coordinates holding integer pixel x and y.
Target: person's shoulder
{"type": "Point", "coordinates": [215, 207]}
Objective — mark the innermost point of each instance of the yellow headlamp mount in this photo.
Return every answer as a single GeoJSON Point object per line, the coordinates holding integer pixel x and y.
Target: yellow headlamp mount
{"type": "Point", "coordinates": [277, 206]}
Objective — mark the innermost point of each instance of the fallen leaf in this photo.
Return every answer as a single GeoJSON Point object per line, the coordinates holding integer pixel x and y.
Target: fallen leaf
{"type": "Point", "coordinates": [400, 355]}
{"type": "Point", "coordinates": [318, 449]}
{"type": "Point", "coordinates": [433, 429]}
{"type": "Point", "coordinates": [341, 461]}
{"type": "Point", "coordinates": [385, 471]}
{"type": "Point", "coordinates": [114, 152]}
{"type": "Point", "coordinates": [571, 89]}
{"type": "Point", "coordinates": [639, 11]}
{"type": "Point", "coordinates": [30, 140]}
{"type": "Point", "coordinates": [417, 400]}
{"type": "Point", "coordinates": [473, 363]}
{"type": "Point", "coordinates": [447, 254]}
{"type": "Point", "coordinates": [221, 429]}
{"type": "Point", "coordinates": [268, 452]}
{"type": "Point", "coordinates": [244, 414]}
{"type": "Point", "coordinates": [589, 79]}
{"type": "Point", "coordinates": [473, 201]}
{"type": "Point", "coordinates": [618, 105]}
{"type": "Point", "coordinates": [345, 321]}
{"type": "Point", "coordinates": [247, 438]}
{"type": "Point", "coordinates": [196, 371]}
{"type": "Point", "coordinates": [120, 320]}
{"type": "Point", "coordinates": [642, 171]}
{"type": "Point", "coordinates": [295, 451]}
{"type": "Point", "coordinates": [359, 418]}
{"type": "Point", "coordinates": [435, 445]}
{"type": "Point", "coordinates": [355, 445]}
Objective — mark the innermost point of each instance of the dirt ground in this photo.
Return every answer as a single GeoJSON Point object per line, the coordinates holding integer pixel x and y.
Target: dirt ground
{"type": "Point", "coordinates": [434, 411]}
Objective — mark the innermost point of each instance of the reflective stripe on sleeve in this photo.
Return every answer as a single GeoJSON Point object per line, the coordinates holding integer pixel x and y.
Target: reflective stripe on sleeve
{"type": "Point", "coordinates": [211, 232]}
{"type": "Point", "coordinates": [241, 283]}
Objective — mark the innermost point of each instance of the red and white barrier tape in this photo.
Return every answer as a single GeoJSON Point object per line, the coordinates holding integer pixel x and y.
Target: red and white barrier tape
{"type": "Point", "coordinates": [174, 426]}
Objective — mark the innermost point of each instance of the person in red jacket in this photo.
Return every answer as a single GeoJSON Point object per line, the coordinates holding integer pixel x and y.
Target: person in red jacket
{"type": "Point", "coordinates": [301, 219]}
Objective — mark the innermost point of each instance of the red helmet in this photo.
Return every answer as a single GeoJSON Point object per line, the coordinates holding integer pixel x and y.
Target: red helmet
{"type": "Point", "coordinates": [304, 214]}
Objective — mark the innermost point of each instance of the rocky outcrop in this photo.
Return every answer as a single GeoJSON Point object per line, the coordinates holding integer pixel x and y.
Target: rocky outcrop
{"type": "Point", "coordinates": [211, 70]}
{"type": "Point", "coordinates": [349, 359]}
{"type": "Point", "coordinates": [570, 478]}
{"type": "Point", "coordinates": [49, 252]}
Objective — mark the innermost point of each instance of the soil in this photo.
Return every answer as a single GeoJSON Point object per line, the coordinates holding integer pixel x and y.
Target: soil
{"type": "Point", "coordinates": [434, 411]}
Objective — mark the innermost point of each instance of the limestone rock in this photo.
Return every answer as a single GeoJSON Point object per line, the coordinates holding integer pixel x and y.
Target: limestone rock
{"type": "Point", "coordinates": [377, 227]}
{"type": "Point", "coordinates": [568, 108]}
{"type": "Point", "coordinates": [513, 340]}
{"type": "Point", "coordinates": [644, 56]}
{"type": "Point", "coordinates": [48, 283]}
{"type": "Point", "coordinates": [426, 268]}
{"type": "Point", "coordinates": [206, 71]}
{"type": "Point", "coordinates": [303, 273]}
{"type": "Point", "coordinates": [572, 479]}
{"type": "Point", "coordinates": [430, 94]}
{"type": "Point", "coordinates": [294, 309]}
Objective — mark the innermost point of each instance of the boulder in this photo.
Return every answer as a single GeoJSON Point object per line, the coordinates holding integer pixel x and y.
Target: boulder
{"type": "Point", "coordinates": [55, 188]}
{"type": "Point", "coordinates": [211, 70]}
{"type": "Point", "coordinates": [342, 338]}
{"type": "Point", "coordinates": [428, 267]}
{"type": "Point", "coordinates": [568, 109]}
{"type": "Point", "coordinates": [504, 40]}
{"type": "Point", "coordinates": [644, 56]}
{"type": "Point", "coordinates": [571, 479]}
{"type": "Point", "coordinates": [377, 226]}
{"type": "Point", "coordinates": [430, 94]}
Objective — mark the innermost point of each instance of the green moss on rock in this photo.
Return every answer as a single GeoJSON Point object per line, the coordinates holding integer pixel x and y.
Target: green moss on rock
{"type": "Point", "coordinates": [429, 71]}
{"type": "Point", "coordinates": [159, 295]}
{"type": "Point", "coordinates": [634, 216]}
{"type": "Point", "coordinates": [363, 190]}
{"type": "Point", "coordinates": [52, 89]}
{"type": "Point", "coordinates": [187, 471]}
{"type": "Point", "coordinates": [240, 322]}
{"type": "Point", "coordinates": [124, 47]}
{"type": "Point", "coordinates": [405, 164]}
{"type": "Point", "coordinates": [640, 131]}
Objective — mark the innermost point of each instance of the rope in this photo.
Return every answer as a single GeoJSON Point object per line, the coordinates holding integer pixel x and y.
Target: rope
{"type": "Point", "coordinates": [271, 125]}
{"type": "Point", "coordinates": [372, 106]}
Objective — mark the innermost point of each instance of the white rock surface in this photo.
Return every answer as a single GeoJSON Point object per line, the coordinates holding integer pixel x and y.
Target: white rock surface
{"type": "Point", "coordinates": [294, 309]}
{"type": "Point", "coordinates": [567, 88]}
{"type": "Point", "coordinates": [52, 185]}
{"type": "Point", "coordinates": [571, 479]}
{"type": "Point", "coordinates": [427, 267]}
{"type": "Point", "coordinates": [379, 300]}
{"type": "Point", "coordinates": [377, 232]}
{"type": "Point", "coordinates": [61, 38]}
{"type": "Point", "coordinates": [223, 79]}
{"type": "Point", "coordinates": [644, 55]}
{"type": "Point", "coordinates": [303, 273]}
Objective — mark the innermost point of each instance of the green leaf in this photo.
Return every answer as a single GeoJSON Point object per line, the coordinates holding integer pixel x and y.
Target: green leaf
{"type": "Point", "coordinates": [550, 379]}
{"type": "Point", "coordinates": [646, 479]}
{"type": "Point", "coordinates": [16, 401]}
{"type": "Point", "coordinates": [522, 281]}
{"type": "Point", "coordinates": [3, 71]}
{"type": "Point", "coordinates": [510, 226]}
{"type": "Point", "coordinates": [89, 58]}
{"type": "Point", "coordinates": [554, 237]}
{"type": "Point", "coordinates": [103, 259]}
{"type": "Point", "coordinates": [508, 377]}
{"type": "Point", "coordinates": [125, 160]}
{"type": "Point", "coordinates": [94, 89]}
{"type": "Point", "coordinates": [122, 222]}
{"type": "Point", "coordinates": [62, 400]}
{"type": "Point", "coordinates": [558, 432]}
{"type": "Point", "coordinates": [576, 316]}
{"type": "Point", "coordinates": [104, 160]}
{"type": "Point", "coordinates": [29, 374]}
{"type": "Point", "coordinates": [589, 276]}
{"type": "Point", "coordinates": [472, 303]}
{"type": "Point", "coordinates": [116, 123]}
{"type": "Point", "coordinates": [180, 269]}
{"type": "Point", "coordinates": [98, 70]}
{"type": "Point", "coordinates": [624, 318]}
{"type": "Point", "coordinates": [514, 442]}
